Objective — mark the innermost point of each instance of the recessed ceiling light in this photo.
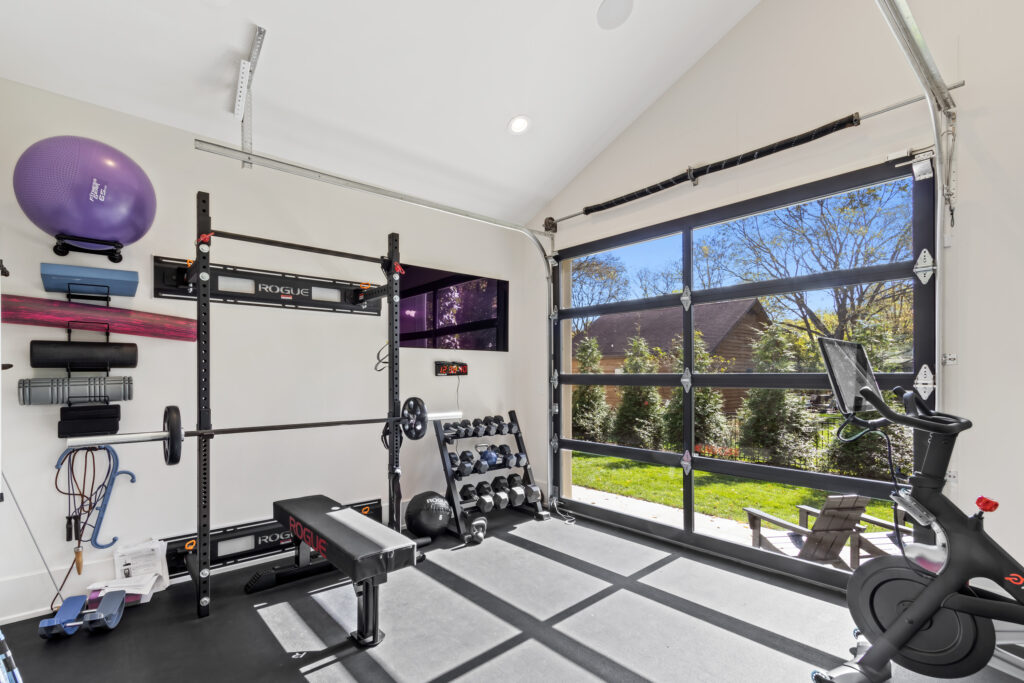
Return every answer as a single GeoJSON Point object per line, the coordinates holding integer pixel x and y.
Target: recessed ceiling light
{"type": "Point", "coordinates": [613, 13]}
{"type": "Point", "coordinates": [518, 125]}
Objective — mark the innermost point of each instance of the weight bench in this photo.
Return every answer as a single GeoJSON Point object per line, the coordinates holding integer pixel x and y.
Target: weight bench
{"type": "Point", "coordinates": [361, 548]}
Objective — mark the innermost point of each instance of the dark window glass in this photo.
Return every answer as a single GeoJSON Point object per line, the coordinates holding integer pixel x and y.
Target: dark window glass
{"type": "Point", "coordinates": [446, 310]}
{"type": "Point", "coordinates": [481, 340]}
{"type": "Point", "coordinates": [417, 313]}
{"type": "Point", "coordinates": [467, 302]}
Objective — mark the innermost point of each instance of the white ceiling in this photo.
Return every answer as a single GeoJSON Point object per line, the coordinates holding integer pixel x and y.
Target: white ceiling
{"type": "Point", "coordinates": [407, 94]}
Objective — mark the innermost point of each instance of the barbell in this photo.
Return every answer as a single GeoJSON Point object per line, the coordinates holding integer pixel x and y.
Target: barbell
{"type": "Point", "coordinates": [413, 421]}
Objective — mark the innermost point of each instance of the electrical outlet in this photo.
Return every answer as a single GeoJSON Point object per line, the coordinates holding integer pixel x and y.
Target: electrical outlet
{"type": "Point", "coordinates": [949, 358]}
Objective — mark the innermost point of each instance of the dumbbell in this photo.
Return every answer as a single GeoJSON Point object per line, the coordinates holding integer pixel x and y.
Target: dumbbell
{"type": "Point", "coordinates": [476, 465]}
{"type": "Point", "coordinates": [491, 456]}
{"type": "Point", "coordinates": [460, 468]}
{"type": "Point", "coordinates": [484, 426]}
{"type": "Point", "coordinates": [509, 459]}
{"type": "Point", "coordinates": [472, 428]}
{"type": "Point", "coordinates": [469, 494]}
{"type": "Point", "coordinates": [532, 490]}
{"type": "Point", "coordinates": [451, 432]}
{"type": "Point", "coordinates": [512, 459]}
{"type": "Point", "coordinates": [516, 494]}
{"type": "Point", "coordinates": [500, 497]}
{"type": "Point", "coordinates": [499, 424]}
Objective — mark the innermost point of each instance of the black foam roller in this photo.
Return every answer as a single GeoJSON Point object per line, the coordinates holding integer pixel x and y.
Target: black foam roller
{"type": "Point", "coordinates": [112, 412]}
{"type": "Point", "coordinates": [82, 355]}
{"type": "Point", "coordinates": [69, 428]}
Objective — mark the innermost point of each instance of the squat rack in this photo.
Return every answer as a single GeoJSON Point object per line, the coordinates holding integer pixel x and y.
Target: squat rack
{"type": "Point", "coordinates": [198, 274]}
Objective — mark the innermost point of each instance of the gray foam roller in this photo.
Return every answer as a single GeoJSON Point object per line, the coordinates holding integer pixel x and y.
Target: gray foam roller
{"type": "Point", "coordinates": [43, 391]}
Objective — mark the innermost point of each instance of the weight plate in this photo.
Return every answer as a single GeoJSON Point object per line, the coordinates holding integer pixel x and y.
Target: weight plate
{"type": "Point", "coordinates": [414, 418]}
{"type": "Point", "coordinates": [172, 444]}
{"type": "Point", "coordinates": [951, 644]}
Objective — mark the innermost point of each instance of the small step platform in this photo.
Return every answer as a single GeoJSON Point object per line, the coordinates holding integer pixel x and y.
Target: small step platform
{"type": "Point", "coordinates": [363, 549]}
{"type": "Point", "coordinates": [58, 277]}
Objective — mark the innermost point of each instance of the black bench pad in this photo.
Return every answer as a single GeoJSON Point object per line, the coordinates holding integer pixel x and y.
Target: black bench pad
{"type": "Point", "coordinates": [357, 545]}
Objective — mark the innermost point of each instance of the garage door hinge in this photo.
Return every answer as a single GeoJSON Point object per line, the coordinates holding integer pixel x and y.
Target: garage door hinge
{"type": "Point", "coordinates": [925, 266]}
{"type": "Point", "coordinates": [687, 380]}
{"type": "Point", "coordinates": [554, 313]}
{"type": "Point", "coordinates": [554, 380]}
{"type": "Point", "coordinates": [685, 299]}
{"type": "Point", "coordinates": [925, 382]}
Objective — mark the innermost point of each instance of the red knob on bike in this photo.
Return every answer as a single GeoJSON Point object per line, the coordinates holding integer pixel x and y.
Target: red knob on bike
{"type": "Point", "coordinates": [986, 504]}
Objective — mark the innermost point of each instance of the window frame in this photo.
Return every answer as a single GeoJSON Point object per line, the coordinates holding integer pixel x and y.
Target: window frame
{"type": "Point", "coordinates": [924, 353]}
{"type": "Point", "coordinates": [499, 323]}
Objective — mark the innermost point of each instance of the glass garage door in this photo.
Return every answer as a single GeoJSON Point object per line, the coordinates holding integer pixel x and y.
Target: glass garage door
{"type": "Point", "coordinates": [692, 400]}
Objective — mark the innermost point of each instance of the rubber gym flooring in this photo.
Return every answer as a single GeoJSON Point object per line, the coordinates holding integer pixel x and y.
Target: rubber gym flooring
{"type": "Point", "coordinates": [537, 601]}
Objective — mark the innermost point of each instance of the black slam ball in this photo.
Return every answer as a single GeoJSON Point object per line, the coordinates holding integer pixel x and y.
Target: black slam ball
{"type": "Point", "coordinates": [428, 514]}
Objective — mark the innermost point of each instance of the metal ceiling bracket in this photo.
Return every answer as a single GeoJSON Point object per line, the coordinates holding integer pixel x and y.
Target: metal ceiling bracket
{"type": "Point", "coordinates": [925, 266]}
{"type": "Point", "coordinates": [687, 380]}
{"type": "Point", "coordinates": [925, 382]}
{"type": "Point", "coordinates": [685, 299]}
{"type": "Point", "coordinates": [242, 89]}
{"type": "Point", "coordinates": [245, 90]}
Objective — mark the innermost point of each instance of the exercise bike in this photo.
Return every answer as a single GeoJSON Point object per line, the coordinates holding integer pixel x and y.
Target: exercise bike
{"type": "Point", "coordinates": [917, 609]}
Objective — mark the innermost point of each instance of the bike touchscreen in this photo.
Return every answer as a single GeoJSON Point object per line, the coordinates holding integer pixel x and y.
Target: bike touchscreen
{"type": "Point", "coordinates": [848, 371]}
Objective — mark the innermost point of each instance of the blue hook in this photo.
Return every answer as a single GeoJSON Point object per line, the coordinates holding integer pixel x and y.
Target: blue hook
{"type": "Point", "coordinates": [115, 472]}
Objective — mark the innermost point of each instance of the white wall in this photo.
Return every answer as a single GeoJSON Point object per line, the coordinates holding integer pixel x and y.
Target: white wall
{"type": "Point", "coordinates": [269, 366]}
{"type": "Point", "coordinates": [792, 65]}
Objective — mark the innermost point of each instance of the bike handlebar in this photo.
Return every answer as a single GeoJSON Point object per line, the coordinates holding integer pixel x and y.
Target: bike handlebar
{"type": "Point", "coordinates": [935, 422]}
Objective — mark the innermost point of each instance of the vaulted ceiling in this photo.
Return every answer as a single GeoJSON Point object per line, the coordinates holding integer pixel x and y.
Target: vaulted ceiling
{"type": "Point", "coordinates": [410, 95]}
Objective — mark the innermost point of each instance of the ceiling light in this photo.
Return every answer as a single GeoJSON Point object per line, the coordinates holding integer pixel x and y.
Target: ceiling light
{"type": "Point", "coordinates": [518, 125]}
{"type": "Point", "coordinates": [613, 13]}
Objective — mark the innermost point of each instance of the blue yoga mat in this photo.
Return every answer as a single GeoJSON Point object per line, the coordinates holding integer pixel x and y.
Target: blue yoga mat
{"type": "Point", "coordinates": [85, 280]}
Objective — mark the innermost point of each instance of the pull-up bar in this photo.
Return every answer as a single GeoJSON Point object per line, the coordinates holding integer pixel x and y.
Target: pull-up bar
{"type": "Point", "coordinates": [297, 247]}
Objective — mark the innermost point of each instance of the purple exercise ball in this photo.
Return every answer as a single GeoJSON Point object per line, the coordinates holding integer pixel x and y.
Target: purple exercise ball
{"type": "Point", "coordinates": [76, 186]}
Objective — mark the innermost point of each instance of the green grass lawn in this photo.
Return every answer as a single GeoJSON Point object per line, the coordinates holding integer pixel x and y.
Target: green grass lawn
{"type": "Point", "coordinates": [719, 495]}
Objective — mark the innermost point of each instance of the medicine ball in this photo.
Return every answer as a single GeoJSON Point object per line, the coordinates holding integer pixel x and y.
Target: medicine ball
{"type": "Point", "coordinates": [428, 514]}
{"type": "Point", "coordinates": [77, 186]}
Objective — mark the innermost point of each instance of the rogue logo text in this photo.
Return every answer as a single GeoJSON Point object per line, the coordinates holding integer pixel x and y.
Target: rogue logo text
{"type": "Point", "coordinates": [264, 288]}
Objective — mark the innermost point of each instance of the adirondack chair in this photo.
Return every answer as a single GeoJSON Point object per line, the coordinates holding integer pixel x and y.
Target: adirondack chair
{"type": "Point", "coordinates": [836, 522]}
{"type": "Point", "coordinates": [865, 545]}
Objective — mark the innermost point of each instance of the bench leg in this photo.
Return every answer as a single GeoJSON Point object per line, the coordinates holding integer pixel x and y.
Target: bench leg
{"type": "Point", "coordinates": [368, 633]}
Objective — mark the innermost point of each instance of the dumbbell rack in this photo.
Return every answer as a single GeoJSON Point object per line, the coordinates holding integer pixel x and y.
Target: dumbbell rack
{"type": "Point", "coordinates": [459, 521]}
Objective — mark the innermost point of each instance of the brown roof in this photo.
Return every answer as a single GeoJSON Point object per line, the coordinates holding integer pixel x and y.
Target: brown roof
{"type": "Point", "coordinates": [659, 326]}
